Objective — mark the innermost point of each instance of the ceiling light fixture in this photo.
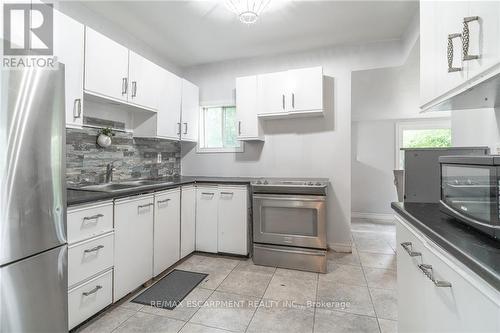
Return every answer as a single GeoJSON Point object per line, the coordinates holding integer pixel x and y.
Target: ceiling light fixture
{"type": "Point", "coordinates": [248, 11]}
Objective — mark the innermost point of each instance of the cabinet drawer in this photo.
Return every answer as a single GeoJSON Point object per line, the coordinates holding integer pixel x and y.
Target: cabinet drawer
{"type": "Point", "coordinates": [90, 257]}
{"type": "Point", "coordinates": [88, 221]}
{"type": "Point", "coordinates": [89, 298]}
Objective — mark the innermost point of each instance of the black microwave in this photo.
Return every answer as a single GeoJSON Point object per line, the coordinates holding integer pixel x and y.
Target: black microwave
{"type": "Point", "coordinates": [470, 191]}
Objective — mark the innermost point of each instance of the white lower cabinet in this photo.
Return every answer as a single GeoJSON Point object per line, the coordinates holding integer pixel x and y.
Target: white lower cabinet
{"type": "Point", "coordinates": [232, 220]}
{"type": "Point", "coordinates": [207, 198]}
{"type": "Point", "coordinates": [133, 243]}
{"type": "Point", "coordinates": [167, 230]}
{"type": "Point", "coordinates": [89, 298]}
{"type": "Point", "coordinates": [467, 304]}
{"type": "Point", "coordinates": [188, 219]}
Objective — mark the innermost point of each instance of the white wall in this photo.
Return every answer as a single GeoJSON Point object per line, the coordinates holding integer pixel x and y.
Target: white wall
{"type": "Point", "coordinates": [316, 147]}
{"type": "Point", "coordinates": [476, 128]}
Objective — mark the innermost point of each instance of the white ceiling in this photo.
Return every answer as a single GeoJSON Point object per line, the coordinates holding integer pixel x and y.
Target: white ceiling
{"type": "Point", "coordinates": [195, 32]}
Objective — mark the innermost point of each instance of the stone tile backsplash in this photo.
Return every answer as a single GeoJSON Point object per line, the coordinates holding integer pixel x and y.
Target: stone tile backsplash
{"type": "Point", "coordinates": [134, 157]}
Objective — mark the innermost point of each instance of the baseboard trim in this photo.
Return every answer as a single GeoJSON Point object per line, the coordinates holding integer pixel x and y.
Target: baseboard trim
{"type": "Point", "coordinates": [381, 218]}
{"type": "Point", "coordinates": [340, 247]}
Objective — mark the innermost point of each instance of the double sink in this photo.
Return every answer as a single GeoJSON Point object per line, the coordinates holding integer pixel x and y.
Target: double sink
{"type": "Point", "coordinates": [123, 185]}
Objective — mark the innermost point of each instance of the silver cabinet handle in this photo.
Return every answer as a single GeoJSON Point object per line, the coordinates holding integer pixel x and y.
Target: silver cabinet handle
{"type": "Point", "coordinates": [124, 86]}
{"type": "Point", "coordinates": [408, 248]}
{"type": "Point", "coordinates": [179, 128]}
{"type": "Point", "coordinates": [185, 128]}
{"type": "Point", "coordinates": [93, 291]}
{"type": "Point", "coordinates": [208, 193]}
{"type": "Point", "coordinates": [134, 88]}
{"type": "Point", "coordinates": [144, 206]}
{"type": "Point", "coordinates": [77, 108]}
{"type": "Point", "coordinates": [283, 101]}
{"type": "Point", "coordinates": [293, 100]}
{"type": "Point", "coordinates": [427, 270]}
{"type": "Point", "coordinates": [226, 193]}
{"type": "Point", "coordinates": [163, 201]}
{"type": "Point", "coordinates": [449, 53]}
{"type": "Point", "coordinates": [466, 37]}
{"type": "Point", "coordinates": [93, 217]}
{"type": "Point", "coordinates": [239, 127]}
{"type": "Point", "coordinates": [94, 249]}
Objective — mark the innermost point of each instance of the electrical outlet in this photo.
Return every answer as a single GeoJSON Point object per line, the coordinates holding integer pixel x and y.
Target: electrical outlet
{"type": "Point", "coordinates": [158, 158]}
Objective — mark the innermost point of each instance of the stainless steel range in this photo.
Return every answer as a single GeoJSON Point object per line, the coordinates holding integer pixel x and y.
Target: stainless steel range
{"type": "Point", "coordinates": [289, 223]}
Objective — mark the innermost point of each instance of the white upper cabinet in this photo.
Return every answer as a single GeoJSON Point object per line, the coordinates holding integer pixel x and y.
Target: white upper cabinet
{"type": "Point", "coordinates": [304, 89]}
{"type": "Point", "coordinates": [459, 49]}
{"type": "Point", "coordinates": [69, 50]}
{"type": "Point", "coordinates": [249, 126]}
{"type": "Point", "coordinates": [271, 93]}
{"type": "Point", "coordinates": [190, 111]}
{"type": "Point", "coordinates": [289, 93]}
{"type": "Point", "coordinates": [484, 36]}
{"type": "Point", "coordinates": [169, 106]}
{"type": "Point", "coordinates": [144, 81]}
{"type": "Point", "coordinates": [106, 66]}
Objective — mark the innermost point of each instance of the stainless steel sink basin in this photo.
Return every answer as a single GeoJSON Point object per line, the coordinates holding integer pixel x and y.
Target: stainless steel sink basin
{"type": "Point", "coordinates": [123, 186]}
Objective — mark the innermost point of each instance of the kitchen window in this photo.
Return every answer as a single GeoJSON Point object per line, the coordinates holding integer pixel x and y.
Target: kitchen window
{"type": "Point", "coordinates": [218, 130]}
{"type": "Point", "coordinates": [421, 134]}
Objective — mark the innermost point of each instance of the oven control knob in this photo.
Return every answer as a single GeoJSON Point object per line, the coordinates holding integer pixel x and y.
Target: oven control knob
{"type": "Point", "coordinates": [310, 184]}
{"type": "Point", "coordinates": [258, 182]}
{"type": "Point", "coordinates": [318, 184]}
{"type": "Point", "coordinates": [266, 182]}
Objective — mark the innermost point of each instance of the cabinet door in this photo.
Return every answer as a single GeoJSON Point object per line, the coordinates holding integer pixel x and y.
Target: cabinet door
{"type": "Point", "coordinates": [428, 53]}
{"type": "Point", "coordinates": [484, 36]}
{"type": "Point", "coordinates": [449, 18]}
{"type": "Point", "coordinates": [206, 218]}
{"type": "Point", "coordinates": [271, 93]}
{"type": "Point", "coordinates": [106, 66]}
{"type": "Point", "coordinates": [133, 244]}
{"type": "Point", "coordinates": [304, 89]}
{"type": "Point", "coordinates": [249, 126]}
{"type": "Point", "coordinates": [190, 111]}
{"type": "Point", "coordinates": [188, 220]}
{"type": "Point", "coordinates": [169, 107]}
{"type": "Point", "coordinates": [411, 284]}
{"type": "Point", "coordinates": [167, 230]}
{"type": "Point", "coordinates": [69, 50]}
{"type": "Point", "coordinates": [232, 222]}
{"type": "Point", "coordinates": [144, 81]}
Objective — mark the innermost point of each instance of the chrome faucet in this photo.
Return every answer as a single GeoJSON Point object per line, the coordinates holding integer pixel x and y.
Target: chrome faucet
{"type": "Point", "coordinates": [109, 171]}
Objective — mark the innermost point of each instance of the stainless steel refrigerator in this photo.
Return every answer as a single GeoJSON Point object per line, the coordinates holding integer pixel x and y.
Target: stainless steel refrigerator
{"type": "Point", "coordinates": [33, 249]}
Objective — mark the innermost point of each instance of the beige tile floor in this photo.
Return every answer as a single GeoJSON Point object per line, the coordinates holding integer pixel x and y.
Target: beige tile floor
{"type": "Point", "coordinates": [358, 294]}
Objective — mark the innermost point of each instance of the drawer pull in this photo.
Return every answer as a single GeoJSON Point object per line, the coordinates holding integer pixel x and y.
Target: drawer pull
{"type": "Point", "coordinates": [93, 291]}
{"type": "Point", "coordinates": [93, 217]}
{"type": "Point", "coordinates": [94, 249]}
{"type": "Point", "coordinates": [163, 201]}
{"type": "Point", "coordinates": [207, 193]}
{"type": "Point", "coordinates": [427, 270]}
{"type": "Point", "coordinates": [227, 193]}
{"type": "Point", "coordinates": [408, 248]}
{"type": "Point", "coordinates": [144, 206]}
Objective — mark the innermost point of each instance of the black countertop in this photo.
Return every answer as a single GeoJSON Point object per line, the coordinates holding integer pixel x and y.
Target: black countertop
{"type": "Point", "coordinates": [475, 250]}
{"type": "Point", "coordinates": [76, 197]}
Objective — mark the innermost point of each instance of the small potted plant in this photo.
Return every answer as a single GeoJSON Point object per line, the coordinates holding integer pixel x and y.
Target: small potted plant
{"type": "Point", "coordinates": [104, 138]}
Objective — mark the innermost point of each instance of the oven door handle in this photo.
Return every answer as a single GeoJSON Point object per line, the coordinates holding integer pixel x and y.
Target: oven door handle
{"type": "Point", "coordinates": [287, 197]}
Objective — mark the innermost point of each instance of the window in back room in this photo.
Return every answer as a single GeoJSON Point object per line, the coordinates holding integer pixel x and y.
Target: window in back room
{"type": "Point", "coordinates": [421, 134]}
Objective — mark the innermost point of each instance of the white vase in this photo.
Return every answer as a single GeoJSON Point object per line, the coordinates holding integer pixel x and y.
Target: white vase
{"type": "Point", "coordinates": [104, 140]}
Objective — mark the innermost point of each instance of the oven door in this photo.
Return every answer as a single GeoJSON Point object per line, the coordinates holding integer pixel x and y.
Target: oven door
{"type": "Point", "coordinates": [295, 220]}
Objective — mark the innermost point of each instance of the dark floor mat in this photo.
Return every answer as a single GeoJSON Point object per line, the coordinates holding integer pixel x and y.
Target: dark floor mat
{"type": "Point", "coordinates": [171, 289]}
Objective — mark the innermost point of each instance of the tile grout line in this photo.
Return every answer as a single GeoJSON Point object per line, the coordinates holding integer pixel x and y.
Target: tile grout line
{"type": "Point", "coordinates": [315, 301]}
{"type": "Point", "coordinates": [260, 300]}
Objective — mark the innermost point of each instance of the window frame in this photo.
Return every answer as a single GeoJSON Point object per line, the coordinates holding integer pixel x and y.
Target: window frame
{"type": "Point", "coordinates": [201, 132]}
{"type": "Point", "coordinates": [422, 124]}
